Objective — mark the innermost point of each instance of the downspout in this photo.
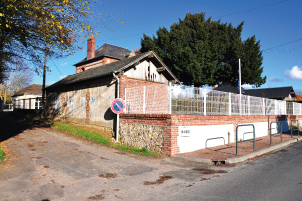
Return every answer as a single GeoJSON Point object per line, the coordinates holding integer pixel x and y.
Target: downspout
{"type": "Point", "coordinates": [118, 116]}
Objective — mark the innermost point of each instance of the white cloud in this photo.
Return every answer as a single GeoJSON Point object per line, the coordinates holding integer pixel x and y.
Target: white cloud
{"type": "Point", "coordinates": [64, 64]}
{"type": "Point", "coordinates": [275, 79]}
{"type": "Point", "coordinates": [247, 86]}
{"type": "Point", "coordinates": [51, 82]}
{"type": "Point", "coordinates": [63, 76]}
{"type": "Point", "coordinates": [294, 74]}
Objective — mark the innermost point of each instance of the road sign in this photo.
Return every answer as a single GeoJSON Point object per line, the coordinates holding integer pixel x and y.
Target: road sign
{"type": "Point", "coordinates": [118, 106]}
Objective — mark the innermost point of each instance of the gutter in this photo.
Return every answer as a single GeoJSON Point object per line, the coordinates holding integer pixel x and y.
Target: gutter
{"type": "Point", "coordinates": [118, 116]}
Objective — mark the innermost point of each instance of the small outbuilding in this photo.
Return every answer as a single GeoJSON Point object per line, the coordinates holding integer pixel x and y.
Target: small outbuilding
{"type": "Point", "coordinates": [85, 97]}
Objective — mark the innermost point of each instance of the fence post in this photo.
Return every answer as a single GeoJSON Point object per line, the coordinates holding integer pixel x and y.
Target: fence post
{"type": "Point", "coordinates": [144, 100]}
{"type": "Point", "coordinates": [263, 106]}
{"type": "Point", "coordinates": [204, 102]}
{"type": "Point", "coordinates": [125, 100]}
{"type": "Point", "coordinates": [276, 112]}
{"type": "Point", "coordinates": [170, 97]}
{"type": "Point", "coordinates": [249, 104]}
{"type": "Point", "coordinates": [240, 105]}
{"type": "Point", "coordinates": [230, 104]}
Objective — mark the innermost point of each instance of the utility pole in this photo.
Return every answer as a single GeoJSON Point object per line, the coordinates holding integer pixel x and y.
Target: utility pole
{"type": "Point", "coordinates": [43, 87]}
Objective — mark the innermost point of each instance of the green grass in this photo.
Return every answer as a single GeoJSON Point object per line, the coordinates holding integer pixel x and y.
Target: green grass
{"type": "Point", "coordinates": [79, 132]}
{"type": "Point", "coordinates": [2, 155]}
{"type": "Point", "coordinates": [97, 137]}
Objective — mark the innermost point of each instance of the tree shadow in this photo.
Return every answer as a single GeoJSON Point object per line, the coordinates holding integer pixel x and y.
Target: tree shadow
{"type": "Point", "coordinates": [10, 126]}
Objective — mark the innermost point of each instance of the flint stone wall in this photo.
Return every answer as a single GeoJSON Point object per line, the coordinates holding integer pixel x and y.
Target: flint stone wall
{"type": "Point", "coordinates": [142, 135]}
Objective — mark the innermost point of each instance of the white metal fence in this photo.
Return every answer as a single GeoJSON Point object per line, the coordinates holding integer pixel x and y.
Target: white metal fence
{"type": "Point", "coordinates": [181, 99]}
{"type": "Point", "coordinates": [28, 103]}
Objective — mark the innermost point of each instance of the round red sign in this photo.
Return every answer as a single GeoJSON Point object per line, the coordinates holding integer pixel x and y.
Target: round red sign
{"type": "Point", "coordinates": [118, 106]}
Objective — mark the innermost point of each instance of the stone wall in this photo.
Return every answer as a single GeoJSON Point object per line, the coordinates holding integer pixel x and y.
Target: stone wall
{"type": "Point", "coordinates": [142, 135]}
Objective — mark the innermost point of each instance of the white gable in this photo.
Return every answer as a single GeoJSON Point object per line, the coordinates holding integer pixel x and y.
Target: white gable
{"type": "Point", "coordinates": [146, 71]}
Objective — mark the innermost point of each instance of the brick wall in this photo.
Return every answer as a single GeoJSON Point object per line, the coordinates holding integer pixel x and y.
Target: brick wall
{"type": "Point", "coordinates": [97, 63]}
{"type": "Point", "coordinates": [171, 123]}
{"type": "Point", "coordinates": [156, 95]}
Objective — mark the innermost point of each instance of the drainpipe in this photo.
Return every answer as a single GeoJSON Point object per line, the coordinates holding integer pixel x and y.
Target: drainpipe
{"type": "Point", "coordinates": [118, 116]}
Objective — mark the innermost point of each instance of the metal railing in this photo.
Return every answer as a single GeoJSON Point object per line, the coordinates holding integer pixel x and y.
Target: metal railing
{"type": "Point", "coordinates": [253, 139]}
{"type": "Point", "coordinates": [277, 123]}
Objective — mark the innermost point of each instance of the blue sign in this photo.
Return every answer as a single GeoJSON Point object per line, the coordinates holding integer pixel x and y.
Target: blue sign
{"type": "Point", "coordinates": [118, 106]}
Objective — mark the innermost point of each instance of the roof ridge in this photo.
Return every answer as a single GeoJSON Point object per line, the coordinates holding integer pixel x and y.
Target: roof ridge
{"type": "Point", "coordinates": [270, 88]}
{"type": "Point", "coordinates": [116, 46]}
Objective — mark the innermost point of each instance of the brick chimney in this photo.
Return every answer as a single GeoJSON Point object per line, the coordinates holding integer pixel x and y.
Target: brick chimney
{"type": "Point", "coordinates": [90, 47]}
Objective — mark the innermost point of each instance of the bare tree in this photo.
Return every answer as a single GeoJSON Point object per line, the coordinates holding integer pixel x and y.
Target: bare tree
{"type": "Point", "coordinates": [15, 78]}
{"type": "Point", "coordinates": [298, 92]}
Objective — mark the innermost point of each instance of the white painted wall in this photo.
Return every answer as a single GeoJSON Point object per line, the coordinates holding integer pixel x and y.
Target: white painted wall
{"type": "Point", "coordinates": [192, 138]}
{"type": "Point", "coordinates": [140, 71]}
{"type": "Point", "coordinates": [261, 129]}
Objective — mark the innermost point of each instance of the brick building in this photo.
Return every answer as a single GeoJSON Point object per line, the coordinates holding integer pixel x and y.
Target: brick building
{"type": "Point", "coordinates": [85, 97]}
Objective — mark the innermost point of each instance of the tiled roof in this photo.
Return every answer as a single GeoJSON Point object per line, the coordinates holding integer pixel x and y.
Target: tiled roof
{"type": "Point", "coordinates": [274, 93]}
{"type": "Point", "coordinates": [35, 89]}
{"type": "Point", "coordinates": [299, 98]}
{"type": "Point", "coordinates": [108, 50]}
{"type": "Point", "coordinates": [104, 70]}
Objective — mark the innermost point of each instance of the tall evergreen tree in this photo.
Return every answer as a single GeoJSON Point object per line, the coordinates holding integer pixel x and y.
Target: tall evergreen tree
{"type": "Point", "coordinates": [200, 52]}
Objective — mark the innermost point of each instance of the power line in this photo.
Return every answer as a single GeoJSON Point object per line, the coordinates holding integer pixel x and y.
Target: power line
{"type": "Point", "coordinates": [272, 4]}
{"type": "Point", "coordinates": [251, 9]}
{"type": "Point", "coordinates": [56, 67]}
{"type": "Point", "coordinates": [282, 44]}
{"type": "Point", "coordinates": [285, 50]}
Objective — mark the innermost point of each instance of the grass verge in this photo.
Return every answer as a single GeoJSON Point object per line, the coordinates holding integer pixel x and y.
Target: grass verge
{"type": "Point", "coordinates": [97, 137]}
{"type": "Point", "coordinates": [2, 155]}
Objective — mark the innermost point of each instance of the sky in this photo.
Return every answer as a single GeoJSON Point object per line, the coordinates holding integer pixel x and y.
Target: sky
{"type": "Point", "coordinates": [275, 23]}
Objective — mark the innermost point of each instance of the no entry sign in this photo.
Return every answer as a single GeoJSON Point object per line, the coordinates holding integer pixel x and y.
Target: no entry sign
{"type": "Point", "coordinates": [118, 106]}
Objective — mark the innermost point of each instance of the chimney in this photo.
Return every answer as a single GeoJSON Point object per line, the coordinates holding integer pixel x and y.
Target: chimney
{"type": "Point", "coordinates": [131, 54]}
{"type": "Point", "coordinates": [90, 47]}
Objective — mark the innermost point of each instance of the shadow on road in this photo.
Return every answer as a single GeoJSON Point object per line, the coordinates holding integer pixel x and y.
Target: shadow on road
{"type": "Point", "coordinates": [11, 127]}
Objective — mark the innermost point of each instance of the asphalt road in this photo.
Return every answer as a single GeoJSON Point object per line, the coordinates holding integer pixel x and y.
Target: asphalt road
{"type": "Point", "coordinates": [277, 176]}
{"type": "Point", "coordinates": [46, 166]}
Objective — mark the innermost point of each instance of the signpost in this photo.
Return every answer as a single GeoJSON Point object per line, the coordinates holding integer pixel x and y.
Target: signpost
{"type": "Point", "coordinates": [117, 106]}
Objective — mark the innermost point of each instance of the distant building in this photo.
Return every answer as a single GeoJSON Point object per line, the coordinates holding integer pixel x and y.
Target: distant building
{"type": "Point", "coordinates": [278, 93]}
{"type": "Point", "coordinates": [28, 98]}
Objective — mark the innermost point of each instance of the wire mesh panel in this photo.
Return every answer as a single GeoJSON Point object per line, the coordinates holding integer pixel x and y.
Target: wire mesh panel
{"type": "Point", "coordinates": [289, 108]}
{"type": "Point", "coordinates": [235, 104]}
{"type": "Point", "coordinates": [156, 99]}
{"type": "Point", "coordinates": [147, 99]}
{"type": "Point", "coordinates": [296, 109]}
{"type": "Point", "coordinates": [135, 100]}
{"type": "Point", "coordinates": [256, 106]}
{"type": "Point", "coordinates": [217, 103]}
{"type": "Point", "coordinates": [269, 107]}
{"type": "Point", "coordinates": [181, 99]}
{"type": "Point", "coordinates": [186, 100]}
{"type": "Point", "coordinates": [281, 107]}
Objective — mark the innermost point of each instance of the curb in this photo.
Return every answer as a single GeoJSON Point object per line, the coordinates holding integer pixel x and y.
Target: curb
{"type": "Point", "coordinates": [200, 160]}
{"type": "Point", "coordinates": [262, 151]}
{"type": "Point", "coordinates": [242, 158]}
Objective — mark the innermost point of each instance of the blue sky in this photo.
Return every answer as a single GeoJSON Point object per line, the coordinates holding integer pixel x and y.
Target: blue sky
{"type": "Point", "coordinates": [276, 23]}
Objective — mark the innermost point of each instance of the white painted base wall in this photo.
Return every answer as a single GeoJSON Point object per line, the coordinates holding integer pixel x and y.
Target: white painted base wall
{"type": "Point", "coordinates": [192, 138]}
